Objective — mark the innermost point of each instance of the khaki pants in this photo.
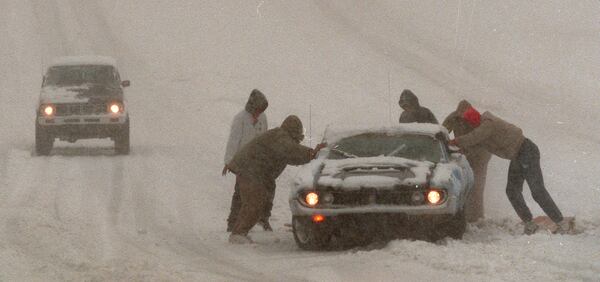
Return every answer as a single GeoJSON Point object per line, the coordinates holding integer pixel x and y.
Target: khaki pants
{"type": "Point", "coordinates": [254, 196]}
{"type": "Point", "coordinates": [479, 164]}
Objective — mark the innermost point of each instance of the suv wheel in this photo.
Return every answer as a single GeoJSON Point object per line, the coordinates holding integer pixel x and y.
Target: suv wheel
{"type": "Point", "coordinates": [43, 141]}
{"type": "Point", "coordinates": [308, 235]}
{"type": "Point", "coordinates": [122, 140]}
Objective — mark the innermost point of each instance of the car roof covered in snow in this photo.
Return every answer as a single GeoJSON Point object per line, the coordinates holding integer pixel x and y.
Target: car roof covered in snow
{"type": "Point", "coordinates": [333, 135]}
{"type": "Point", "coordinates": [83, 60]}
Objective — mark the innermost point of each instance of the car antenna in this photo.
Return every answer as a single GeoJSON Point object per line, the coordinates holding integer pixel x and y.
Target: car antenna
{"type": "Point", "coordinates": [309, 125]}
{"type": "Point", "coordinates": [389, 99]}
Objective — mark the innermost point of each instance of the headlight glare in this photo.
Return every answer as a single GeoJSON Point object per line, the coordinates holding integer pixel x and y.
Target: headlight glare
{"type": "Point", "coordinates": [434, 197]}
{"type": "Point", "coordinates": [312, 199]}
{"type": "Point", "coordinates": [115, 108]}
{"type": "Point", "coordinates": [48, 110]}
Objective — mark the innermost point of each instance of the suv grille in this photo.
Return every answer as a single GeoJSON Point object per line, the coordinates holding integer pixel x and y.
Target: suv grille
{"type": "Point", "coordinates": [80, 109]}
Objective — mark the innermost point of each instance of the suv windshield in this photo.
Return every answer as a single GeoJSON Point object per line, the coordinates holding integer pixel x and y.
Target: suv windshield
{"type": "Point", "coordinates": [78, 75]}
{"type": "Point", "coordinates": [409, 146]}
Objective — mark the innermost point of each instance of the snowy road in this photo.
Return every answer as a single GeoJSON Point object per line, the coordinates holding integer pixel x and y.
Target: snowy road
{"type": "Point", "coordinates": [84, 213]}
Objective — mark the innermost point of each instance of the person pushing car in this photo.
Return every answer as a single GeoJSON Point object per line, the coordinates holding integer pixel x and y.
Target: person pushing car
{"type": "Point", "coordinates": [258, 164]}
{"type": "Point", "coordinates": [507, 141]}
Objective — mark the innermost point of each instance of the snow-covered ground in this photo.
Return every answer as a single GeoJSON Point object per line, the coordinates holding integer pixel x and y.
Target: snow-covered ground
{"type": "Point", "coordinates": [159, 214]}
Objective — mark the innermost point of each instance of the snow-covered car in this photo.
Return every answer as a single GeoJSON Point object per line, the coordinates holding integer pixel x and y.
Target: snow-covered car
{"type": "Point", "coordinates": [367, 183]}
{"type": "Point", "coordinates": [82, 98]}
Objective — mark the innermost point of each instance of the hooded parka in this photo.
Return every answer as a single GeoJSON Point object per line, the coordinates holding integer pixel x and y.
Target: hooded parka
{"type": "Point", "coordinates": [260, 162]}
{"type": "Point", "coordinates": [244, 128]}
{"type": "Point", "coordinates": [414, 112]}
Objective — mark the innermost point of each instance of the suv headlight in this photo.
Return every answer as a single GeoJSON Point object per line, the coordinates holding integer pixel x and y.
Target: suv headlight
{"type": "Point", "coordinates": [115, 108]}
{"type": "Point", "coordinates": [48, 110]}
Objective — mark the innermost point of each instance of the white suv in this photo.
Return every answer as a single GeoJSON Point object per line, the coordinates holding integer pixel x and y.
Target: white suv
{"type": "Point", "coordinates": [82, 98]}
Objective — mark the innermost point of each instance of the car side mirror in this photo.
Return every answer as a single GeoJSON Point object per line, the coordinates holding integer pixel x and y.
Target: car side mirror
{"type": "Point", "coordinates": [125, 83]}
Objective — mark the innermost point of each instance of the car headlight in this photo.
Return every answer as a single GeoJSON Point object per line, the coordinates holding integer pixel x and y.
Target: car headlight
{"type": "Point", "coordinates": [327, 198]}
{"type": "Point", "coordinates": [115, 108]}
{"type": "Point", "coordinates": [48, 110]}
{"type": "Point", "coordinates": [435, 196]}
{"type": "Point", "coordinates": [417, 197]}
{"type": "Point", "coordinates": [312, 199]}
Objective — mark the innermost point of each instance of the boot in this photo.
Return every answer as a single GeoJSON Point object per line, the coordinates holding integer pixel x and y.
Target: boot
{"type": "Point", "coordinates": [239, 239]}
{"type": "Point", "coordinates": [265, 225]}
{"type": "Point", "coordinates": [530, 227]}
{"type": "Point", "coordinates": [564, 227]}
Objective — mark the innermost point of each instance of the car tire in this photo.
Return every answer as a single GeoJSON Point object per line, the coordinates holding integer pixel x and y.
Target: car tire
{"type": "Point", "coordinates": [308, 235]}
{"type": "Point", "coordinates": [457, 226]}
{"type": "Point", "coordinates": [122, 146]}
{"type": "Point", "coordinates": [43, 141]}
{"type": "Point", "coordinates": [453, 228]}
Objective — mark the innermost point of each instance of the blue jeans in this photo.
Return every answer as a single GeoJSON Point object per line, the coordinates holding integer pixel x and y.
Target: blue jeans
{"type": "Point", "coordinates": [526, 167]}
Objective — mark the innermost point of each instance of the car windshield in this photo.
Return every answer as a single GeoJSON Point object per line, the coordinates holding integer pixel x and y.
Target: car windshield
{"type": "Point", "coordinates": [80, 74]}
{"type": "Point", "coordinates": [409, 146]}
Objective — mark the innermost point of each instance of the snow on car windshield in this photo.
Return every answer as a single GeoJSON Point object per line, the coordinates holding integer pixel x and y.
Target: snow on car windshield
{"type": "Point", "coordinates": [409, 146]}
{"type": "Point", "coordinates": [80, 74]}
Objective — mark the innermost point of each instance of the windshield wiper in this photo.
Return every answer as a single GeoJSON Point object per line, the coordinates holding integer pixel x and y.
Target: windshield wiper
{"type": "Point", "coordinates": [395, 151]}
{"type": "Point", "coordinates": [345, 154]}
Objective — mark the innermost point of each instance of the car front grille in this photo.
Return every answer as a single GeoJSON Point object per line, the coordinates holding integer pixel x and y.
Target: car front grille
{"type": "Point", "coordinates": [80, 109]}
{"type": "Point", "coordinates": [374, 197]}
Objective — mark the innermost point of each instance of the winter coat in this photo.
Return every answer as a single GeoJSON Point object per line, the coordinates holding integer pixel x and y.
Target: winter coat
{"type": "Point", "coordinates": [495, 135]}
{"type": "Point", "coordinates": [265, 157]}
{"type": "Point", "coordinates": [478, 159]}
{"type": "Point", "coordinates": [243, 130]}
{"type": "Point", "coordinates": [415, 113]}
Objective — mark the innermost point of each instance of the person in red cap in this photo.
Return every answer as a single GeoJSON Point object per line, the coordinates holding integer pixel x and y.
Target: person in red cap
{"type": "Point", "coordinates": [506, 141]}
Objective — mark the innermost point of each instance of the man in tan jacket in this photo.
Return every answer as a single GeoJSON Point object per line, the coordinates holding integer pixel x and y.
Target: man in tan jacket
{"type": "Point", "coordinates": [478, 158]}
{"type": "Point", "coordinates": [506, 140]}
{"type": "Point", "coordinates": [257, 166]}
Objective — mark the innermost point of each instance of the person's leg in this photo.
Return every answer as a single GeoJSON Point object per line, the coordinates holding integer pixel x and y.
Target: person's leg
{"type": "Point", "coordinates": [253, 195]}
{"type": "Point", "coordinates": [533, 175]}
{"type": "Point", "coordinates": [236, 205]}
{"type": "Point", "coordinates": [474, 209]}
{"type": "Point", "coordinates": [264, 220]}
{"type": "Point", "coordinates": [514, 191]}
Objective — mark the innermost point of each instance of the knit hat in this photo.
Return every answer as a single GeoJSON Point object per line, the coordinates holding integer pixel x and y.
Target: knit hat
{"type": "Point", "coordinates": [472, 116]}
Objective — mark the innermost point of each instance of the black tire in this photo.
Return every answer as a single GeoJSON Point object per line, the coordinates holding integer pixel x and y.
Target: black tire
{"type": "Point", "coordinates": [122, 146]}
{"type": "Point", "coordinates": [457, 226]}
{"type": "Point", "coordinates": [454, 228]}
{"type": "Point", "coordinates": [43, 141]}
{"type": "Point", "coordinates": [308, 235]}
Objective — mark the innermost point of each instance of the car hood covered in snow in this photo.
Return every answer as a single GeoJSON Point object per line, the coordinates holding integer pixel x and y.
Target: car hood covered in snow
{"type": "Point", "coordinates": [80, 93]}
{"type": "Point", "coordinates": [374, 172]}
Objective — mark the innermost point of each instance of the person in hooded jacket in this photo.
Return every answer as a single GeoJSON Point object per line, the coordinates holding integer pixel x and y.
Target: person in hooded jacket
{"type": "Point", "coordinates": [246, 125]}
{"type": "Point", "coordinates": [413, 111]}
{"type": "Point", "coordinates": [478, 158]}
{"type": "Point", "coordinates": [258, 164]}
{"type": "Point", "coordinates": [507, 141]}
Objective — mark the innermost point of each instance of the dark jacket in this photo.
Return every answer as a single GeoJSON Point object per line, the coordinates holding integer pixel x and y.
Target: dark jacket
{"type": "Point", "coordinates": [415, 112]}
{"type": "Point", "coordinates": [266, 156]}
